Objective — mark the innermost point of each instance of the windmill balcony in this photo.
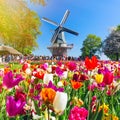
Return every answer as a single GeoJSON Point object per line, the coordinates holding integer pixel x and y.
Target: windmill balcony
{"type": "Point", "coordinates": [68, 46]}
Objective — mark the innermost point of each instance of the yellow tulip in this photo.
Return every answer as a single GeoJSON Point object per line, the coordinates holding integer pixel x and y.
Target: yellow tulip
{"type": "Point", "coordinates": [99, 78]}
{"type": "Point", "coordinates": [70, 74]}
{"type": "Point", "coordinates": [105, 108]}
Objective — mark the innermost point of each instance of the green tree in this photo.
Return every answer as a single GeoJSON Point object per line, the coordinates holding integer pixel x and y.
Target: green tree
{"type": "Point", "coordinates": [19, 26]}
{"type": "Point", "coordinates": [91, 45]}
{"type": "Point", "coordinates": [111, 45]}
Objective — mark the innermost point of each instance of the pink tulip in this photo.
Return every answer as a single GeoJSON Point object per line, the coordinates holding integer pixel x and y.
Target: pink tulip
{"type": "Point", "coordinates": [108, 77]}
{"type": "Point", "coordinates": [77, 113]}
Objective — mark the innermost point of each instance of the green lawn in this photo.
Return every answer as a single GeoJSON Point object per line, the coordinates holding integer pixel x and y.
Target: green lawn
{"type": "Point", "coordinates": [11, 65]}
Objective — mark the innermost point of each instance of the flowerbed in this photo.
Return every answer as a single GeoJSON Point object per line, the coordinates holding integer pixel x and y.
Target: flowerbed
{"type": "Point", "coordinates": [85, 90]}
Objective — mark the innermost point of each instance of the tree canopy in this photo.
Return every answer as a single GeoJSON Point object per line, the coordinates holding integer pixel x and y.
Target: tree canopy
{"type": "Point", "coordinates": [90, 45]}
{"type": "Point", "coordinates": [19, 26]}
{"type": "Point", "coordinates": [42, 2]}
{"type": "Point", "coordinates": [111, 45]}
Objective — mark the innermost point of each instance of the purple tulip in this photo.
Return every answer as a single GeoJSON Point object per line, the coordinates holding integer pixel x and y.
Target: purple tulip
{"type": "Point", "coordinates": [10, 80]}
{"type": "Point", "coordinates": [59, 71]}
{"type": "Point", "coordinates": [44, 66]}
{"type": "Point", "coordinates": [51, 85]}
{"type": "Point", "coordinates": [14, 107]}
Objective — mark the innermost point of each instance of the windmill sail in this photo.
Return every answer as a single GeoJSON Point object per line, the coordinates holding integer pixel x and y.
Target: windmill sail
{"type": "Point", "coordinates": [49, 21]}
{"type": "Point", "coordinates": [65, 17]}
{"type": "Point", "coordinates": [69, 31]}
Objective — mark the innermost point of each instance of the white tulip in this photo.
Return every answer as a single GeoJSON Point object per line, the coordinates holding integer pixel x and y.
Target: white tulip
{"type": "Point", "coordinates": [33, 106]}
{"type": "Point", "coordinates": [60, 84]}
{"type": "Point", "coordinates": [49, 69]}
{"type": "Point", "coordinates": [65, 74]}
{"type": "Point", "coordinates": [47, 78]}
{"type": "Point", "coordinates": [60, 102]}
{"type": "Point", "coordinates": [28, 71]}
{"type": "Point", "coordinates": [38, 70]}
{"type": "Point", "coordinates": [28, 65]}
{"type": "Point", "coordinates": [62, 66]}
{"type": "Point", "coordinates": [35, 116]}
{"type": "Point", "coordinates": [33, 77]}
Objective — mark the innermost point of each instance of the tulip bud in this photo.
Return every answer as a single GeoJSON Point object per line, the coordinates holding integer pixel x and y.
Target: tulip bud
{"type": "Point", "coordinates": [60, 102]}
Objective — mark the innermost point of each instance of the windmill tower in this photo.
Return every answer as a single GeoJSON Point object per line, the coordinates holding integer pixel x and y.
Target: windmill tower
{"type": "Point", "coordinates": [59, 46]}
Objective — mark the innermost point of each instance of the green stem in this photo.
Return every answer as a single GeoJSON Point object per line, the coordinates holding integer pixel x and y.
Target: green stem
{"type": "Point", "coordinates": [89, 105]}
{"type": "Point", "coordinates": [2, 97]}
{"type": "Point", "coordinates": [48, 113]}
{"type": "Point", "coordinates": [112, 102]}
{"type": "Point", "coordinates": [89, 97]}
{"type": "Point", "coordinates": [103, 101]}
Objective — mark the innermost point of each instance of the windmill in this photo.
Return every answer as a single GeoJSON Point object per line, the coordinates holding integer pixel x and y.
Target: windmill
{"type": "Point", "coordinates": [59, 46]}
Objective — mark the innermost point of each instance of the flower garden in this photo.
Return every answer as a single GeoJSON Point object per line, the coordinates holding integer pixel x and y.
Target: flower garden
{"type": "Point", "coordinates": [62, 90]}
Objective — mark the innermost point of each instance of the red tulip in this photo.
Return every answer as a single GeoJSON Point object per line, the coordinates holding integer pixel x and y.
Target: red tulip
{"type": "Point", "coordinates": [25, 66]}
{"type": "Point", "coordinates": [1, 88]}
{"type": "Point", "coordinates": [39, 74]}
{"type": "Point", "coordinates": [71, 66]}
{"type": "Point", "coordinates": [91, 63]}
{"type": "Point", "coordinates": [20, 96]}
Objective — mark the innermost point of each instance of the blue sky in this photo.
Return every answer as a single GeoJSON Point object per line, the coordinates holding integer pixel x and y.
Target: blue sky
{"type": "Point", "coordinates": [86, 17]}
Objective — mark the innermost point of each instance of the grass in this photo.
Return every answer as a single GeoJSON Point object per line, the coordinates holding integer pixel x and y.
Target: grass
{"type": "Point", "coordinates": [13, 66]}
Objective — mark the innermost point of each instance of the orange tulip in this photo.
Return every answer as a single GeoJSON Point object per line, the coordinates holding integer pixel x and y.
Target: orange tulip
{"type": "Point", "coordinates": [34, 66]}
{"type": "Point", "coordinates": [6, 70]}
{"type": "Point", "coordinates": [48, 94]}
{"type": "Point", "coordinates": [76, 85]}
